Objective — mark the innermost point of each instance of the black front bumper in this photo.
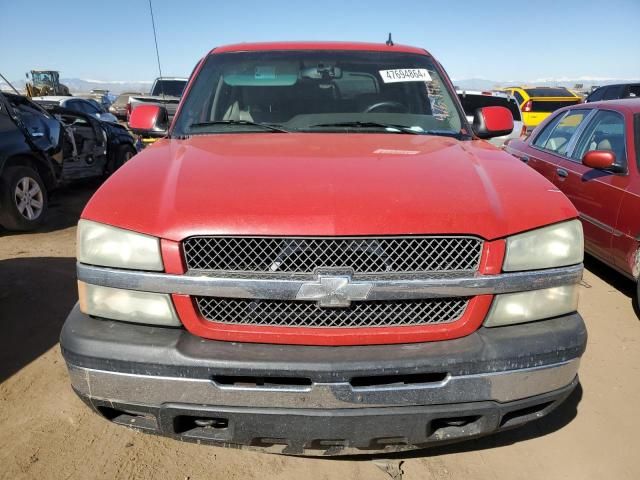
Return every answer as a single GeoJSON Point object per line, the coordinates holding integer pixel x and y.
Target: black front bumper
{"type": "Point", "coordinates": [330, 431]}
{"type": "Point", "coordinates": [328, 400]}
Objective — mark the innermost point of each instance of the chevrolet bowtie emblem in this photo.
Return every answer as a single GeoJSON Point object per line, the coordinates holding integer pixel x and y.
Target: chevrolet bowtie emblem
{"type": "Point", "coordinates": [334, 291]}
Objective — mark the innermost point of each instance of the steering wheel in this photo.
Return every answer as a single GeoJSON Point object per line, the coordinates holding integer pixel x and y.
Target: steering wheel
{"type": "Point", "coordinates": [396, 107]}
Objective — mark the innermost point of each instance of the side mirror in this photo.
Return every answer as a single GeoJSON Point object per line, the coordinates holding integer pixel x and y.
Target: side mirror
{"type": "Point", "coordinates": [151, 120]}
{"type": "Point", "coordinates": [489, 122]}
{"type": "Point", "coordinates": [601, 159]}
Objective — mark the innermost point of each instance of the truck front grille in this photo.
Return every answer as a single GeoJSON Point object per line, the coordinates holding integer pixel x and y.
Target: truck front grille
{"type": "Point", "coordinates": [284, 313]}
{"type": "Point", "coordinates": [381, 255]}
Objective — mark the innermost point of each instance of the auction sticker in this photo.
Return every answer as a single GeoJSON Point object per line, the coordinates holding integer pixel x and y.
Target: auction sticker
{"type": "Point", "coordinates": [405, 75]}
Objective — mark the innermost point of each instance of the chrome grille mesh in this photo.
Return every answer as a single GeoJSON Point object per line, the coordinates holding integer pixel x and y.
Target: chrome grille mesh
{"type": "Point", "coordinates": [307, 314]}
{"type": "Point", "coordinates": [305, 255]}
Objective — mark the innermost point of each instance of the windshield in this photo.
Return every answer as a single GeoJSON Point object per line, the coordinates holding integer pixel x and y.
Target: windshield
{"type": "Point", "coordinates": [319, 91]}
{"type": "Point", "coordinates": [43, 78]}
{"type": "Point", "coordinates": [171, 88]}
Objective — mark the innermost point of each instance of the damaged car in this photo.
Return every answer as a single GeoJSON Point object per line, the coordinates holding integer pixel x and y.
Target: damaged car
{"type": "Point", "coordinates": [44, 148]}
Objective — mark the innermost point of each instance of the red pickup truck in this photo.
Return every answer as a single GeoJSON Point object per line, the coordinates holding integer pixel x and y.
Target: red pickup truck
{"type": "Point", "coordinates": [323, 256]}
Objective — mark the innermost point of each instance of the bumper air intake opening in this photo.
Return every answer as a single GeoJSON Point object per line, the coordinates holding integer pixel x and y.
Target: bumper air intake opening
{"type": "Point", "coordinates": [522, 415]}
{"type": "Point", "coordinates": [453, 427]}
{"type": "Point", "coordinates": [261, 382]}
{"type": "Point", "coordinates": [214, 428]}
{"type": "Point", "coordinates": [266, 442]}
{"type": "Point", "coordinates": [381, 443]}
{"type": "Point", "coordinates": [144, 421]}
{"type": "Point", "coordinates": [326, 444]}
{"type": "Point", "coordinates": [395, 380]}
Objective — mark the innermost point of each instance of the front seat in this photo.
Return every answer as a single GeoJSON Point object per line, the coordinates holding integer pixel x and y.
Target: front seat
{"type": "Point", "coordinates": [555, 143]}
{"type": "Point", "coordinates": [235, 112]}
{"type": "Point", "coordinates": [614, 145]}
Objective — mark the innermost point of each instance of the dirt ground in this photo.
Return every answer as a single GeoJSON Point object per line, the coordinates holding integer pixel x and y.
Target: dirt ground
{"type": "Point", "coordinates": [46, 432]}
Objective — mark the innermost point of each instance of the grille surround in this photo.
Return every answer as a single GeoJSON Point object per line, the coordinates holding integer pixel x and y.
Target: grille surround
{"type": "Point", "coordinates": [297, 313]}
{"type": "Point", "coordinates": [366, 256]}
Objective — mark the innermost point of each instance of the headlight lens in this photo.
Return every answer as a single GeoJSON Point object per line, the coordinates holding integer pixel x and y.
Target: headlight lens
{"type": "Point", "coordinates": [127, 305]}
{"type": "Point", "coordinates": [511, 308]}
{"type": "Point", "coordinates": [100, 244]}
{"type": "Point", "coordinates": [554, 246]}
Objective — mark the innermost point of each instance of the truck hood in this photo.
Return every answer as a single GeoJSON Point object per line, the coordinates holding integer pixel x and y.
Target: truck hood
{"type": "Point", "coordinates": [333, 184]}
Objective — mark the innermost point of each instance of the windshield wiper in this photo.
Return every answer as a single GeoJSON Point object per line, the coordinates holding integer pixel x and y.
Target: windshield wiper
{"type": "Point", "coordinates": [357, 124]}
{"type": "Point", "coordinates": [397, 128]}
{"type": "Point", "coordinates": [265, 126]}
{"type": "Point", "coordinates": [392, 126]}
{"type": "Point", "coordinates": [447, 133]}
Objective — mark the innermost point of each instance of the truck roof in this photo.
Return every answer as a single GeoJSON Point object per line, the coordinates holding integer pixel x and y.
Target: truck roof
{"type": "Point", "coordinates": [359, 46]}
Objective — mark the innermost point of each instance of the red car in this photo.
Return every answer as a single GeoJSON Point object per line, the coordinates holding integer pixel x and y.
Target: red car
{"type": "Point", "coordinates": [591, 152]}
{"type": "Point", "coordinates": [323, 256]}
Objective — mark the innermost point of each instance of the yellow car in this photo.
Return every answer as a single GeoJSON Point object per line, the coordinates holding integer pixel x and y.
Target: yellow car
{"type": "Point", "coordinates": [537, 103]}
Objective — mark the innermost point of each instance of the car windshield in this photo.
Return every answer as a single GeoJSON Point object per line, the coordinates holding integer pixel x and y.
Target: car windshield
{"type": "Point", "coordinates": [319, 91]}
{"type": "Point", "coordinates": [171, 88]}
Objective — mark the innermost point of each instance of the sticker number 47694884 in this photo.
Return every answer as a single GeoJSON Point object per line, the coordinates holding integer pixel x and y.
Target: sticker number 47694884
{"type": "Point", "coordinates": [405, 75]}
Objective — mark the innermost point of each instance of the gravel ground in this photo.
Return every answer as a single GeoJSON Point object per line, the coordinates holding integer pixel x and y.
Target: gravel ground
{"type": "Point", "coordinates": [46, 432]}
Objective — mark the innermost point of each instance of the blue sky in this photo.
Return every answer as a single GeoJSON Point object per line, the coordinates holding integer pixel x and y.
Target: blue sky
{"type": "Point", "coordinates": [497, 40]}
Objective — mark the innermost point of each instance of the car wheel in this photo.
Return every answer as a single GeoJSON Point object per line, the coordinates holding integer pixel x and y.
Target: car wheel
{"type": "Point", "coordinates": [123, 155]}
{"type": "Point", "coordinates": [24, 199]}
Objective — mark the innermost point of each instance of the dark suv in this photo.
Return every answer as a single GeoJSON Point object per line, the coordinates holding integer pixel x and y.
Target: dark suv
{"type": "Point", "coordinates": [614, 92]}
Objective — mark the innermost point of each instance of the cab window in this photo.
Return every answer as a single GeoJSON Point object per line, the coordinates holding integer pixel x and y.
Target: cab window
{"type": "Point", "coordinates": [519, 97]}
{"type": "Point", "coordinates": [596, 95]}
{"type": "Point", "coordinates": [557, 135]}
{"type": "Point", "coordinates": [74, 105]}
{"type": "Point", "coordinates": [84, 107]}
{"type": "Point", "coordinates": [633, 91]}
{"type": "Point", "coordinates": [613, 92]}
{"type": "Point", "coordinates": [604, 132]}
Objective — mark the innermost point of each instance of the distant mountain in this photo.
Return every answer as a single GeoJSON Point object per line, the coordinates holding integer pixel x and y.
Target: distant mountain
{"type": "Point", "coordinates": [586, 82]}
{"type": "Point", "coordinates": [475, 84]}
{"type": "Point", "coordinates": [78, 85]}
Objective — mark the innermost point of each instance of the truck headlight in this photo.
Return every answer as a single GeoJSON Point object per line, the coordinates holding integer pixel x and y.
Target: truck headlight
{"type": "Point", "coordinates": [104, 245]}
{"type": "Point", "coordinates": [548, 247]}
{"type": "Point", "coordinates": [511, 308]}
{"type": "Point", "coordinates": [128, 305]}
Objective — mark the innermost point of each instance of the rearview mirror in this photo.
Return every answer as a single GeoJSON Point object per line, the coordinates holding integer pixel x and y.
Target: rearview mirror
{"type": "Point", "coordinates": [151, 120]}
{"type": "Point", "coordinates": [489, 122]}
{"type": "Point", "coordinates": [601, 159]}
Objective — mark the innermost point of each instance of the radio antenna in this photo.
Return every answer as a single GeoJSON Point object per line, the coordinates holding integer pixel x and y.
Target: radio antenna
{"type": "Point", "coordinates": [389, 40]}
{"type": "Point", "coordinates": [155, 39]}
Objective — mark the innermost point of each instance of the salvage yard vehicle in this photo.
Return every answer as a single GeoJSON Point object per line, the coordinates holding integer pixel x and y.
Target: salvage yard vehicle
{"type": "Point", "coordinates": [615, 92]}
{"type": "Point", "coordinates": [45, 82]}
{"type": "Point", "coordinates": [325, 258]}
{"type": "Point", "coordinates": [165, 91]}
{"type": "Point", "coordinates": [591, 152]}
{"type": "Point", "coordinates": [471, 100]}
{"type": "Point", "coordinates": [119, 106]}
{"type": "Point", "coordinates": [77, 104]}
{"type": "Point", "coordinates": [537, 103]}
{"type": "Point", "coordinates": [41, 150]}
